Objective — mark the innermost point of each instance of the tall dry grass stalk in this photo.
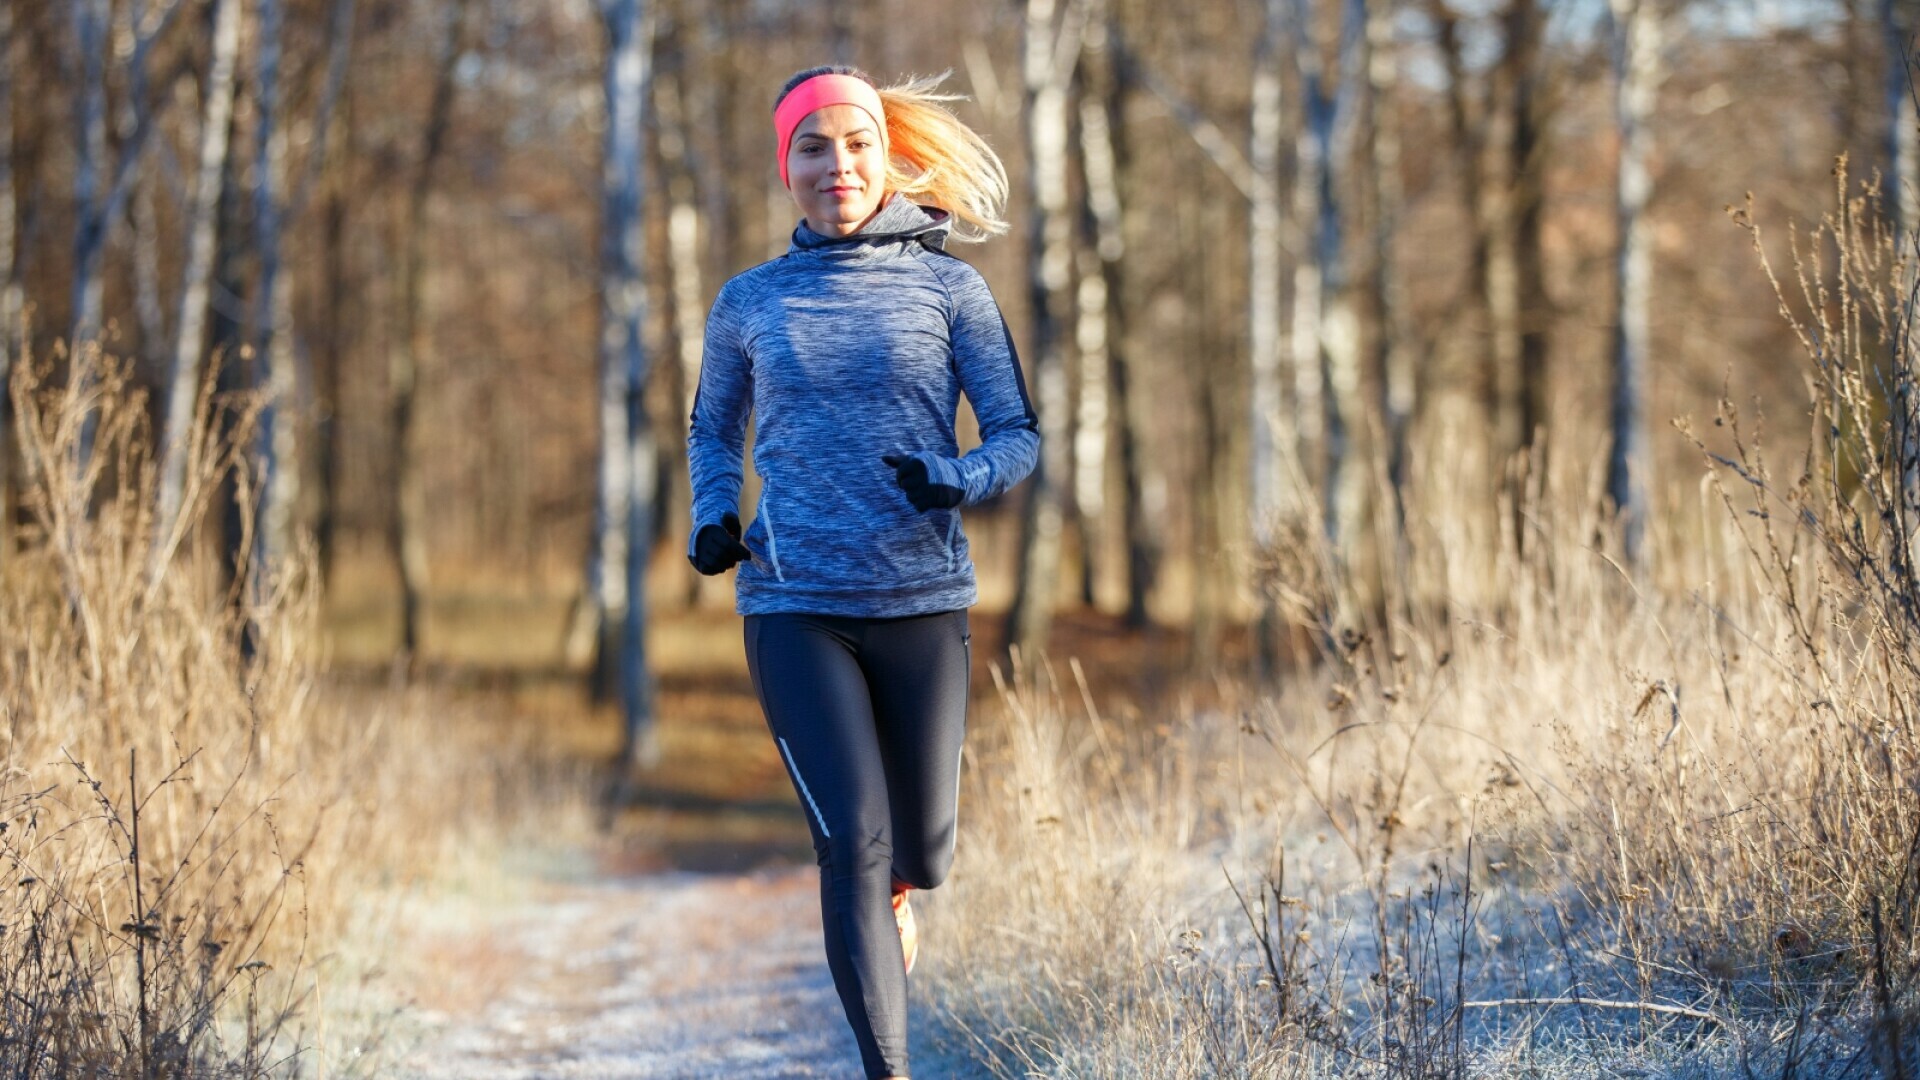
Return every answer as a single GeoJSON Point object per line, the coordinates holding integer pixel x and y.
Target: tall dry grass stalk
{"type": "Point", "coordinates": [1559, 817]}
{"type": "Point", "coordinates": [194, 826]}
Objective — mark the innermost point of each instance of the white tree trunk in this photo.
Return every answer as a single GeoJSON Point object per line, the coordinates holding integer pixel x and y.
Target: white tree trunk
{"type": "Point", "coordinates": [90, 152]}
{"type": "Point", "coordinates": [149, 309]}
{"type": "Point", "coordinates": [1392, 343]}
{"type": "Point", "coordinates": [684, 230]}
{"type": "Point", "coordinates": [1638, 38]}
{"type": "Point", "coordinates": [1903, 198]}
{"type": "Point", "coordinates": [10, 294]}
{"type": "Point", "coordinates": [1104, 157]}
{"type": "Point", "coordinates": [1348, 478]}
{"type": "Point", "coordinates": [627, 449]}
{"type": "Point", "coordinates": [1271, 434]}
{"type": "Point", "coordinates": [184, 390]}
{"type": "Point", "coordinates": [1049, 50]}
{"type": "Point", "coordinates": [1093, 328]}
{"type": "Point", "coordinates": [272, 337]}
{"type": "Point", "coordinates": [1903, 127]}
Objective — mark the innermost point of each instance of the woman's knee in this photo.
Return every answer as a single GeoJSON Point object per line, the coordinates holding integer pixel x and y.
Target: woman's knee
{"type": "Point", "coordinates": [926, 869]}
{"type": "Point", "coordinates": [851, 853]}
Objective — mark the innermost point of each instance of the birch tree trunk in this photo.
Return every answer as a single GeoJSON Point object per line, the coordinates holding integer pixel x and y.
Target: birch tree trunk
{"type": "Point", "coordinates": [149, 309]}
{"type": "Point", "coordinates": [1304, 336]}
{"type": "Point", "coordinates": [1389, 359]}
{"type": "Point", "coordinates": [1090, 415]}
{"type": "Point", "coordinates": [1271, 440]}
{"type": "Point", "coordinates": [326, 167]}
{"type": "Point", "coordinates": [1902, 195]}
{"type": "Point", "coordinates": [1638, 38]}
{"type": "Point", "coordinates": [1469, 138]}
{"type": "Point", "coordinates": [202, 225]}
{"type": "Point", "coordinates": [1102, 326]}
{"type": "Point", "coordinates": [10, 293]}
{"type": "Point", "coordinates": [1049, 52]}
{"type": "Point", "coordinates": [90, 153]}
{"type": "Point", "coordinates": [1527, 171]}
{"type": "Point", "coordinates": [623, 547]}
{"type": "Point", "coordinates": [272, 337]}
{"type": "Point", "coordinates": [1897, 25]}
{"type": "Point", "coordinates": [680, 172]}
{"type": "Point", "coordinates": [406, 540]}
{"type": "Point", "coordinates": [99, 193]}
{"type": "Point", "coordinates": [1104, 153]}
{"type": "Point", "coordinates": [1348, 477]}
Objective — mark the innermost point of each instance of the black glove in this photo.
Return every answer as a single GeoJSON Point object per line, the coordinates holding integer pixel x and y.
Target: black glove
{"type": "Point", "coordinates": [923, 491]}
{"type": "Point", "coordinates": [717, 548]}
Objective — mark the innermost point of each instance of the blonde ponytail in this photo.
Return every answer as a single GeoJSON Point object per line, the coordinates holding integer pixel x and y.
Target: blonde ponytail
{"type": "Point", "coordinates": [934, 158]}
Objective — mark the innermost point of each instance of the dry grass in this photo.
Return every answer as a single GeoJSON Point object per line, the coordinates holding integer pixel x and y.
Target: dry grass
{"type": "Point", "coordinates": [1559, 819]}
{"type": "Point", "coordinates": [201, 837]}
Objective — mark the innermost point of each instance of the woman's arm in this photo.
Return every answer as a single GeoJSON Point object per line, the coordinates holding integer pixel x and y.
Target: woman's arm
{"type": "Point", "coordinates": [717, 430]}
{"type": "Point", "coordinates": [989, 371]}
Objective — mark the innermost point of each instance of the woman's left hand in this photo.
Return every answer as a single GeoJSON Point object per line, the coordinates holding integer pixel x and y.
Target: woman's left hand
{"type": "Point", "coordinates": [923, 491]}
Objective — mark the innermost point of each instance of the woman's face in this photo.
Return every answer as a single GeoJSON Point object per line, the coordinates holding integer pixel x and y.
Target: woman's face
{"type": "Point", "coordinates": [836, 169]}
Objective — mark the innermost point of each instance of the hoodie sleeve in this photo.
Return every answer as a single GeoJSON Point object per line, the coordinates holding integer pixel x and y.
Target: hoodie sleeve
{"type": "Point", "coordinates": [717, 430]}
{"type": "Point", "coordinates": [989, 370]}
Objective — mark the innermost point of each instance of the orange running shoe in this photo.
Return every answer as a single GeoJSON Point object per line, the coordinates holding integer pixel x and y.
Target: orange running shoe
{"type": "Point", "coordinates": [909, 938]}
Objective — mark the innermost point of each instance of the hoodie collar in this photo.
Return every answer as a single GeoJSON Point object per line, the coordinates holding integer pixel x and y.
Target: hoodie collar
{"type": "Point", "coordinates": [900, 220]}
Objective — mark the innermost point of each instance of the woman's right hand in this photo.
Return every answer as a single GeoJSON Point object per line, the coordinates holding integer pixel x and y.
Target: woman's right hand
{"type": "Point", "coordinates": [718, 548]}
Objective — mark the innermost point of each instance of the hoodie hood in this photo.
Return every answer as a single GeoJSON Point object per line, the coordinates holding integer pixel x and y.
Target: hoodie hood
{"type": "Point", "coordinates": [901, 219]}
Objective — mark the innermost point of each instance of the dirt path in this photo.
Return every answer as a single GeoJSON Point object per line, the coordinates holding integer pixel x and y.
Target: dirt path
{"type": "Point", "coordinates": [672, 974]}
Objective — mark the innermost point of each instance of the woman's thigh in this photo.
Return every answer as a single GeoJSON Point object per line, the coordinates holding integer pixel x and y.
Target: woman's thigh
{"type": "Point", "coordinates": [815, 697]}
{"type": "Point", "coordinates": [917, 672]}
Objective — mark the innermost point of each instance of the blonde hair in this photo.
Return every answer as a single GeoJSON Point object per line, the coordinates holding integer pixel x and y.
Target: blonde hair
{"type": "Point", "coordinates": [932, 157]}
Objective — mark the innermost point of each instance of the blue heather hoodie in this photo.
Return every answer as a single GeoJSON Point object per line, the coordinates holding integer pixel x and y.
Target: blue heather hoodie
{"type": "Point", "coordinates": [845, 350]}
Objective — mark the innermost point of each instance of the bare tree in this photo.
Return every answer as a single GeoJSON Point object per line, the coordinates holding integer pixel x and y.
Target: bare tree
{"type": "Point", "coordinates": [623, 545]}
{"type": "Point", "coordinates": [1050, 49]}
{"type": "Point", "coordinates": [99, 191]}
{"type": "Point", "coordinates": [1902, 195]}
{"type": "Point", "coordinates": [142, 214]}
{"type": "Point", "coordinates": [1389, 359]}
{"type": "Point", "coordinates": [10, 294]}
{"type": "Point", "coordinates": [1272, 437]}
{"type": "Point", "coordinates": [281, 371]}
{"type": "Point", "coordinates": [1898, 25]}
{"type": "Point", "coordinates": [1638, 39]}
{"type": "Point", "coordinates": [90, 33]}
{"type": "Point", "coordinates": [681, 171]}
{"type": "Point", "coordinates": [1526, 202]}
{"type": "Point", "coordinates": [1104, 157]}
{"type": "Point", "coordinates": [1335, 111]}
{"type": "Point", "coordinates": [202, 222]}
{"type": "Point", "coordinates": [272, 341]}
{"type": "Point", "coordinates": [406, 536]}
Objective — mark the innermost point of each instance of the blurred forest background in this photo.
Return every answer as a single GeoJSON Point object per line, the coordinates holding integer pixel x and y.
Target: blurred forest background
{"type": "Point", "coordinates": [351, 345]}
{"type": "Point", "coordinates": [1277, 267]}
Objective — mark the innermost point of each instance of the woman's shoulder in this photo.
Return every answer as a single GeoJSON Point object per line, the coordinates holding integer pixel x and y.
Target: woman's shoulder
{"type": "Point", "coordinates": [752, 280]}
{"type": "Point", "coordinates": [749, 290]}
{"type": "Point", "coordinates": [964, 283]}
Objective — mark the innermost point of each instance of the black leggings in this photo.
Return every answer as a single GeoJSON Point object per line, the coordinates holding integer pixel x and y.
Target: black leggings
{"type": "Point", "coordinates": [869, 715]}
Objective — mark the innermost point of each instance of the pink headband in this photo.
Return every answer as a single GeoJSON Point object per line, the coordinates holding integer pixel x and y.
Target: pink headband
{"type": "Point", "coordinates": [818, 93]}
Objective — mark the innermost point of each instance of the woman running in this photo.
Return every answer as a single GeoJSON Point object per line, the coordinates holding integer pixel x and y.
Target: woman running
{"type": "Point", "coordinates": [852, 350]}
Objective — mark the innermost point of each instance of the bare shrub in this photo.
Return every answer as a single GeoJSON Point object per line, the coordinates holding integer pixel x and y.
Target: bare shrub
{"type": "Point", "coordinates": [154, 883]}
